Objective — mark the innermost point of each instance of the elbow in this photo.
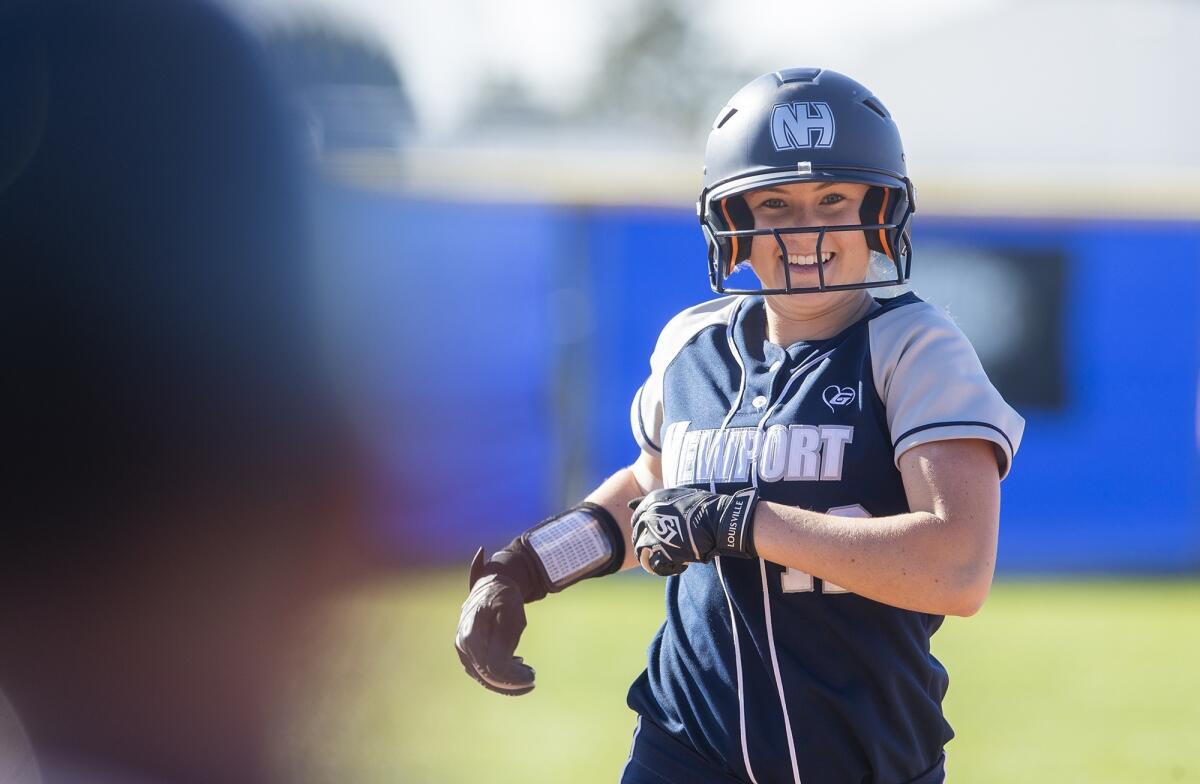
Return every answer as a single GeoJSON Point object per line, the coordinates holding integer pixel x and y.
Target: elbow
{"type": "Point", "coordinates": [968, 605]}
{"type": "Point", "coordinates": [971, 591]}
{"type": "Point", "coordinates": [970, 566]}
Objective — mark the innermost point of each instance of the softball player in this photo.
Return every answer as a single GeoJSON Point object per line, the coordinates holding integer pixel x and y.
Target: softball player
{"type": "Point", "coordinates": [819, 477]}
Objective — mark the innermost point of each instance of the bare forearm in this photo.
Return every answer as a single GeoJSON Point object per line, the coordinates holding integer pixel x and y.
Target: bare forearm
{"type": "Point", "coordinates": [614, 494]}
{"type": "Point", "coordinates": [917, 560]}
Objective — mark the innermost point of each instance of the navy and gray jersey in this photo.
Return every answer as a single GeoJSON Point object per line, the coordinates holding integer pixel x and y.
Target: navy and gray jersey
{"type": "Point", "coordinates": [774, 675]}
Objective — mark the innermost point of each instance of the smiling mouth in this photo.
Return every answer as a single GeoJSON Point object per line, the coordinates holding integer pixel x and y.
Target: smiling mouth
{"type": "Point", "coordinates": [810, 259]}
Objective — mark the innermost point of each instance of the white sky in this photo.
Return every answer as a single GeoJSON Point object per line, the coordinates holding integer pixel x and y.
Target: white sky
{"type": "Point", "coordinates": [553, 45]}
{"type": "Point", "coordinates": [1092, 99]}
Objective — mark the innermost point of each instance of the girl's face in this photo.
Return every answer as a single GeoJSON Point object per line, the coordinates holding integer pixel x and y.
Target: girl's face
{"type": "Point", "coordinates": [845, 256]}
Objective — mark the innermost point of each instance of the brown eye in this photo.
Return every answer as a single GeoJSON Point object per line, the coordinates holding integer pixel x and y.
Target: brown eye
{"type": "Point", "coordinates": [772, 204]}
{"type": "Point", "coordinates": [832, 198]}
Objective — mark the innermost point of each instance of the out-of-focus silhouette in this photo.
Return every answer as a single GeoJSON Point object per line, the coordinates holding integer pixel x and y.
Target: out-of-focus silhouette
{"type": "Point", "coordinates": [179, 487]}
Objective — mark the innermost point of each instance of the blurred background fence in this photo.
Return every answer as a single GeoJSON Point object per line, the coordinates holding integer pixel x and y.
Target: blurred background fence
{"type": "Point", "coordinates": [518, 333]}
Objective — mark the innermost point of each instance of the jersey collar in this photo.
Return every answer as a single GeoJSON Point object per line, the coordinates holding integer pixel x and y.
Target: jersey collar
{"type": "Point", "coordinates": [750, 333]}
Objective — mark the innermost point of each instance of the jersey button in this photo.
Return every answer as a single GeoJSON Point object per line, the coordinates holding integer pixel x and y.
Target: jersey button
{"type": "Point", "coordinates": [759, 401]}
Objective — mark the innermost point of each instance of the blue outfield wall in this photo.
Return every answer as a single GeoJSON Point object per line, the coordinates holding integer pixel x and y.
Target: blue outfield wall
{"type": "Point", "coordinates": [491, 352]}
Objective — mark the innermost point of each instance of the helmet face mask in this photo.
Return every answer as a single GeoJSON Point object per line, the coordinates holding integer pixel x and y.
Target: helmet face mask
{"type": "Point", "coordinates": [804, 125]}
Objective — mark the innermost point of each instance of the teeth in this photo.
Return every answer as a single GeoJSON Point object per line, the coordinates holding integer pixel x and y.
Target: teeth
{"type": "Point", "coordinates": [809, 258]}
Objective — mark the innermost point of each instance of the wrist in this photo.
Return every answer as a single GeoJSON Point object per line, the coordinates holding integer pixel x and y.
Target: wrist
{"type": "Point", "coordinates": [584, 541]}
{"type": "Point", "coordinates": [735, 524]}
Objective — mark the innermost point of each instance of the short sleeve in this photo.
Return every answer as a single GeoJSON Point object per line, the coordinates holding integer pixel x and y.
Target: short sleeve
{"type": "Point", "coordinates": [933, 386]}
{"type": "Point", "coordinates": [646, 415]}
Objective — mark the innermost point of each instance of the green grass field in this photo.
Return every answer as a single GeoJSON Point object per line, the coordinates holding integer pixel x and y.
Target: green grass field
{"type": "Point", "coordinates": [1054, 681]}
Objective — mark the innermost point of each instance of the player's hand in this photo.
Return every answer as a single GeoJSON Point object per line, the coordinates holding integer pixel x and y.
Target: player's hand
{"type": "Point", "coordinates": [489, 628]}
{"type": "Point", "coordinates": [673, 527]}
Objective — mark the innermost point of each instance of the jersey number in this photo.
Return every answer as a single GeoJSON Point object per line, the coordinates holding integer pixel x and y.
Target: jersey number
{"type": "Point", "coordinates": [795, 581]}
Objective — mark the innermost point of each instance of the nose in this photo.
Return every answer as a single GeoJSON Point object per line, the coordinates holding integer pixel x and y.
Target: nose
{"type": "Point", "coordinates": [801, 243]}
{"type": "Point", "coordinates": [804, 243]}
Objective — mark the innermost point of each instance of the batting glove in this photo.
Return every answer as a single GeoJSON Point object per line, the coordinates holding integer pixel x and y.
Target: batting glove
{"type": "Point", "coordinates": [676, 526]}
{"type": "Point", "coordinates": [489, 628]}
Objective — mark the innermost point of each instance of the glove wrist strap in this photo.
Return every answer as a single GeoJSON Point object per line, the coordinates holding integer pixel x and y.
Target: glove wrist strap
{"type": "Point", "coordinates": [735, 525]}
{"type": "Point", "coordinates": [513, 565]}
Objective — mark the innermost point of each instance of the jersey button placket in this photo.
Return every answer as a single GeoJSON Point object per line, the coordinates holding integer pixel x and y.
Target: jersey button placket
{"type": "Point", "coordinates": [770, 381]}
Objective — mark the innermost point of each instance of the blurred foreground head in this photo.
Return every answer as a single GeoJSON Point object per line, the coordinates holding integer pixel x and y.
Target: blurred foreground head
{"type": "Point", "coordinates": [177, 479]}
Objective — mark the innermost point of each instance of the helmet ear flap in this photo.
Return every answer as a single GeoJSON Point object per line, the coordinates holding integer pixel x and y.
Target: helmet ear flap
{"type": "Point", "coordinates": [737, 216]}
{"type": "Point", "coordinates": [882, 206]}
{"type": "Point", "coordinates": [875, 210]}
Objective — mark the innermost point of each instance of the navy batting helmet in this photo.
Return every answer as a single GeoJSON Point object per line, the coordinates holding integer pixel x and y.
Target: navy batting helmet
{"type": "Point", "coordinates": [804, 125]}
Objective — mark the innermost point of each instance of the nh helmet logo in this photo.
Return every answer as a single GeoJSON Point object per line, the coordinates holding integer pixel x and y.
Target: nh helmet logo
{"type": "Point", "coordinates": [802, 125]}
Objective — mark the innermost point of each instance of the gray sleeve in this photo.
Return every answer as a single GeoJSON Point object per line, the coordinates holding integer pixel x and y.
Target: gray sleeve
{"type": "Point", "coordinates": [646, 413]}
{"type": "Point", "coordinates": [934, 388]}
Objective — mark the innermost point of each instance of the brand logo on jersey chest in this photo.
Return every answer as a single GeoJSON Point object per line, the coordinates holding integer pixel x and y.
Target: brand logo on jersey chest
{"type": "Point", "coordinates": [837, 396]}
{"type": "Point", "coordinates": [802, 125]}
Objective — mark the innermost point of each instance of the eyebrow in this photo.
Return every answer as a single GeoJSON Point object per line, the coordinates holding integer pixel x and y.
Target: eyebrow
{"type": "Point", "coordinates": [776, 189]}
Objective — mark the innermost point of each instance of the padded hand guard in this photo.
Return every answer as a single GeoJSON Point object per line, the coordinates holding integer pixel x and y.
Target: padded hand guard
{"type": "Point", "coordinates": [489, 628]}
{"type": "Point", "coordinates": [676, 526]}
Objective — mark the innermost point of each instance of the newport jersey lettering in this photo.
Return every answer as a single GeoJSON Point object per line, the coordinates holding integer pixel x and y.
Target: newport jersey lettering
{"type": "Point", "coordinates": [775, 676]}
